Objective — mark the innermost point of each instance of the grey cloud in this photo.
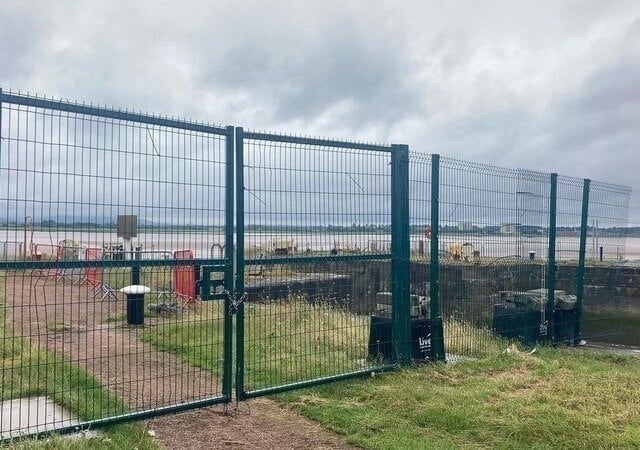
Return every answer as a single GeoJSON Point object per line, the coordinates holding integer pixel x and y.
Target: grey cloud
{"type": "Point", "coordinates": [300, 76]}
{"type": "Point", "coordinates": [551, 87]}
{"type": "Point", "coordinates": [20, 34]}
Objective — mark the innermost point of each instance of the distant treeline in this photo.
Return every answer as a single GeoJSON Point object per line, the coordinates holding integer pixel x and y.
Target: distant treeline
{"type": "Point", "coordinates": [48, 225]}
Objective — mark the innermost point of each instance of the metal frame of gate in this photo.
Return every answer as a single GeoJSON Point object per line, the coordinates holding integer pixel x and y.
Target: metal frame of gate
{"type": "Point", "coordinates": [74, 111]}
{"type": "Point", "coordinates": [231, 290]}
{"type": "Point", "coordinates": [398, 179]}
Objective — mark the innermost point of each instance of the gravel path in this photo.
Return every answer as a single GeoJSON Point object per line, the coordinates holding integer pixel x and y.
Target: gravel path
{"type": "Point", "coordinates": [65, 318]}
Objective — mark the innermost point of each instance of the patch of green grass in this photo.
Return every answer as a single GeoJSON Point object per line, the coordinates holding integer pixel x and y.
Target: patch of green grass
{"type": "Point", "coordinates": [295, 340]}
{"type": "Point", "coordinates": [121, 317]}
{"type": "Point", "coordinates": [613, 324]}
{"type": "Point", "coordinates": [28, 370]}
{"type": "Point", "coordinates": [556, 398]}
{"type": "Point", "coordinates": [198, 338]}
{"type": "Point", "coordinates": [127, 436]}
{"type": "Point", "coordinates": [467, 339]}
{"type": "Point", "coordinates": [116, 278]}
{"type": "Point", "coordinates": [116, 317]}
{"type": "Point", "coordinates": [285, 341]}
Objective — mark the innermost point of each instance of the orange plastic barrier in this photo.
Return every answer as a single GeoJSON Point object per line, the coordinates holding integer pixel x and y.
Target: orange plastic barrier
{"type": "Point", "coordinates": [93, 275]}
{"type": "Point", "coordinates": [184, 277]}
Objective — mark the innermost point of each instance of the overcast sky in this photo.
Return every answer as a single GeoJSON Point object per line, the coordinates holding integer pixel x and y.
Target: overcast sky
{"type": "Point", "coordinates": [550, 86]}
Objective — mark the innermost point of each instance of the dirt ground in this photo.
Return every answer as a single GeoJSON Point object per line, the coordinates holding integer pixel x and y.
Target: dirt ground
{"type": "Point", "coordinates": [258, 423]}
{"type": "Point", "coordinates": [65, 317]}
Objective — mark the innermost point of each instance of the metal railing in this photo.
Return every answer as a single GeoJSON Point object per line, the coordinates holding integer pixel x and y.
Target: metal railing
{"type": "Point", "coordinates": [323, 259]}
{"type": "Point", "coordinates": [68, 171]}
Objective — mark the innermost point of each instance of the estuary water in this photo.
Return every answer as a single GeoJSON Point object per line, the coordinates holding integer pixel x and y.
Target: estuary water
{"type": "Point", "coordinates": [209, 245]}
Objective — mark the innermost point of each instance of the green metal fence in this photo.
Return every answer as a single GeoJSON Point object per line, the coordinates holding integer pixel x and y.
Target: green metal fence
{"type": "Point", "coordinates": [274, 262]}
{"type": "Point", "coordinates": [72, 176]}
{"type": "Point", "coordinates": [492, 243]}
{"type": "Point", "coordinates": [610, 312]}
{"type": "Point", "coordinates": [316, 221]}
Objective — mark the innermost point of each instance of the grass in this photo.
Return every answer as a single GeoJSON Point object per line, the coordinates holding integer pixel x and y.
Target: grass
{"type": "Point", "coordinates": [121, 317]}
{"type": "Point", "coordinates": [295, 340]}
{"type": "Point", "coordinates": [285, 341]}
{"type": "Point", "coordinates": [197, 339]}
{"type": "Point", "coordinates": [27, 370]}
{"type": "Point", "coordinates": [612, 324]}
{"type": "Point", "coordinates": [56, 327]}
{"type": "Point", "coordinates": [556, 398]}
{"type": "Point", "coordinates": [127, 436]}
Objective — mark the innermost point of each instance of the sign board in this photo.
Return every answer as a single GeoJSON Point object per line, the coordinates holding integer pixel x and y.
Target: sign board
{"type": "Point", "coordinates": [127, 226]}
{"type": "Point", "coordinates": [381, 343]}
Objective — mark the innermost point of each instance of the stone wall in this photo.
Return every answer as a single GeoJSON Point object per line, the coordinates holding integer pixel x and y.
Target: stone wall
{"type": "Point", "coordinates": [611, 303]}
{"type": "Point", "coordinates": [611, 309]}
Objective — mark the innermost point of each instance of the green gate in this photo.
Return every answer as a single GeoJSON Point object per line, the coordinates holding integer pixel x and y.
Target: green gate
{"type": "Point", "coordinates": [316, 218]}
{"type": "Point", "coordinates": [94, 199]}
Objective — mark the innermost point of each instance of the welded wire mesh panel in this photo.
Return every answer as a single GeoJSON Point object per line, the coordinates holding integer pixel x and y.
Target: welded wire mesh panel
{"type": "Point", "coordinates": [493, 238]}
{"type": "Point", "coordinates": [569, 199]}
{"type": "Point", "coordinates": [314, 200]}
{"type": "Point", "coordinates": [610, 310]}
{"type": "Point", "coordinates": [326, 207]}
{"type": "Point", "coordinates": [311, 321]}
{"type": "Point", "coordinates": [420, 211]}
{"type": "Point", "coordinates": [568, 219]}
{"type": "Point", "coordinates": [68, 176]}
{"type": "Point", "coordinates": [67, 173]}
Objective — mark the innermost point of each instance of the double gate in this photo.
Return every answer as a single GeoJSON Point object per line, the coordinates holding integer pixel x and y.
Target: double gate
{"type": "Point", "coordinates": [311, 221]}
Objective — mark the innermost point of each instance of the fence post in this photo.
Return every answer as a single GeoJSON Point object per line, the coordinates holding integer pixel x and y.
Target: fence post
{"type": "Point", "coordinates": [581, 259]}
{"type": "Point", "coordinates": [400, 264]}
{"type": "Point", "coordinates": [228, 254]}
{"type": "Point", "coordinates": [551, 259]}
{"type": "Point", "coordinates": [437, 336]}
{"type": "Point", "coordinates": [135, 274]}
{"type": "Point", "coordinates": [239, 288]}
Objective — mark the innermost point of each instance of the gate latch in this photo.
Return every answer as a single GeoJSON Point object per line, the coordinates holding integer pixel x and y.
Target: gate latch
{"type": "Point", "coordinates": [213, 282]}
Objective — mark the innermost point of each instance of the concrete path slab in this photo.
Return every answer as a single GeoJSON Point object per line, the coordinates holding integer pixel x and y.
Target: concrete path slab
{"type": "Point", "coordinates": [29, 415]}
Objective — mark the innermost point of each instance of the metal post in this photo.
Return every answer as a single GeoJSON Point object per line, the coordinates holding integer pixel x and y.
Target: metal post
{"type": "Point", "coordinates": [135, 274]}
{"type": "Point", "coordinates": [239, 290]}
{"type": "Point", "coordinates": [126, 248]}
{"type": "Point", "coordinates": [401, 305]}
{"type": "Point", "coordinates": [551, 259]}
{"type": "Point", "coordinates": [437, 337]}
{"type": "Point", "coordinates": [227, 374]}
{"type": "Point", "coordinates": [581, 259]}
{"type": "Point", "coordinates": [26, 224]}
